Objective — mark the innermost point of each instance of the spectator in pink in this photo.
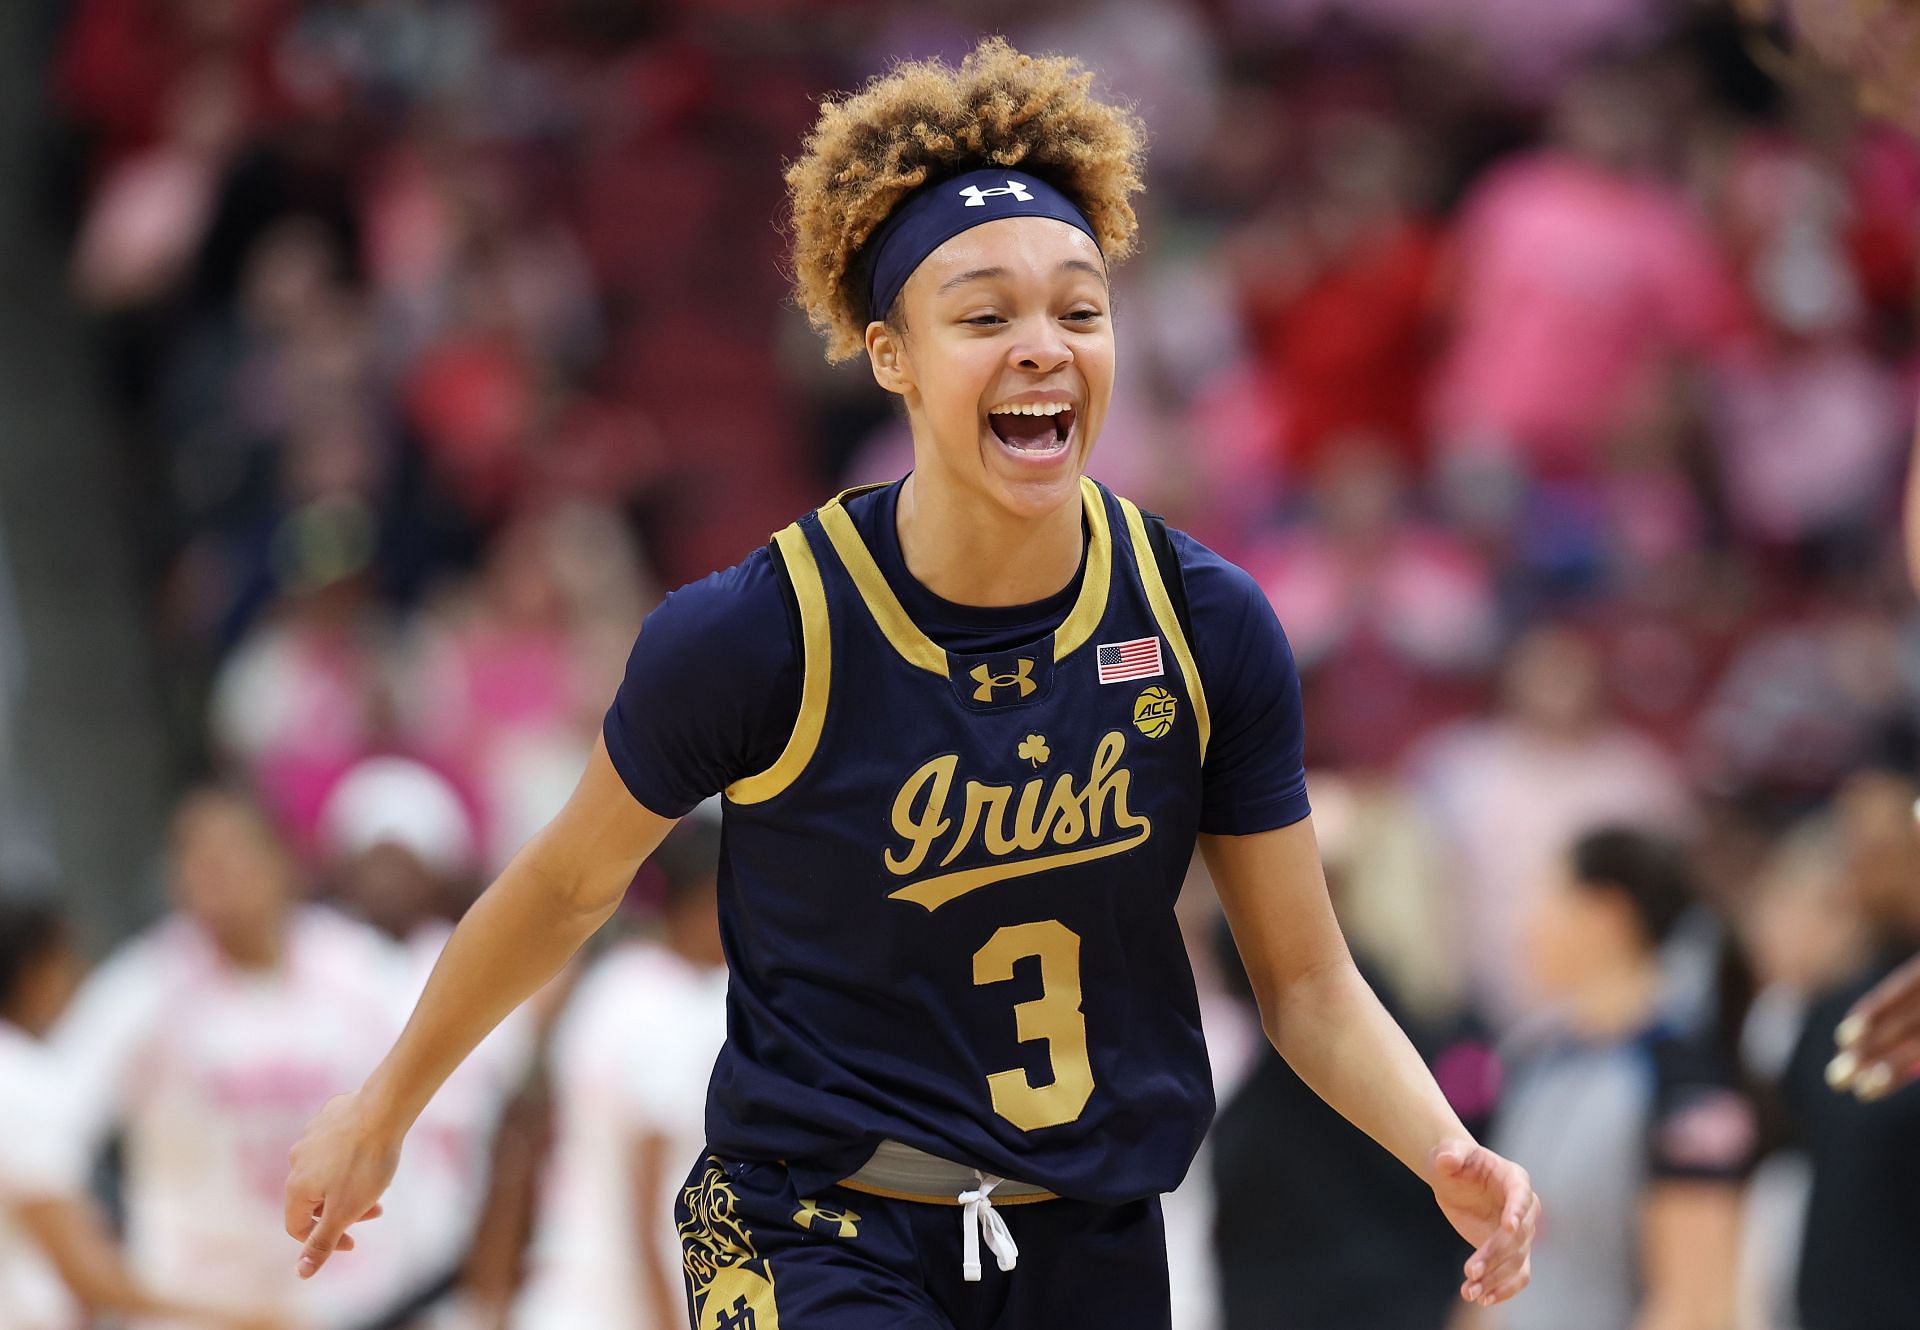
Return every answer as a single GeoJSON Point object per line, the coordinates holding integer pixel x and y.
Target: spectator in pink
{"type": "Point", "coordinates": [1578, 272]}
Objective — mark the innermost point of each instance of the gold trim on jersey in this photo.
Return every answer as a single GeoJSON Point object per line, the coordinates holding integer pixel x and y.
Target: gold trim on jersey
{"type": "Point", "coordinates": [1091, 607]}
{"type": "Point", "coordinates": [914, 646]}
{"type": "Point", "coordinates": [817, 648]}
{"type": "Point", "coordinates": [1169, 622]}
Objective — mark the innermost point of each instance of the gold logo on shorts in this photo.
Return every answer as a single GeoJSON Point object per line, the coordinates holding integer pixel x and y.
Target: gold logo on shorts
{"type": "Point", "coordinates": [1153, 712]}
{"type": "Point", "coordinates": [818, 1218]}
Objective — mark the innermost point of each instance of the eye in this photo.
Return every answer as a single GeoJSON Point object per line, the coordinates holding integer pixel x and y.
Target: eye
{"type": "Point", "coordinates": [1083, 315]}
{"type": "Point", "coordinates": [982, 320]}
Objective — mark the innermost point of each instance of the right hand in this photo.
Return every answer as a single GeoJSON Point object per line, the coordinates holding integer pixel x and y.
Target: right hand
{"type": "Point", "coordinates": [337, 1172]}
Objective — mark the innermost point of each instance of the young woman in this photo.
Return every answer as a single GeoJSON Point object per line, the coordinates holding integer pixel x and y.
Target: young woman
{"type": "Point", "coordinates": [59, 1264]}
{"type": "Point", "coordinates": [970, 727]}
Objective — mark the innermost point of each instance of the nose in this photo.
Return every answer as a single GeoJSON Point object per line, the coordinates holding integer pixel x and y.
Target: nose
{"type": "Point", "coordinates": [1041, 347]}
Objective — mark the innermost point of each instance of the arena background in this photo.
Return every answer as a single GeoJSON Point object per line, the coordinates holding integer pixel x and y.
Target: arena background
{"type": "Point", "coordinates": [369, 368]}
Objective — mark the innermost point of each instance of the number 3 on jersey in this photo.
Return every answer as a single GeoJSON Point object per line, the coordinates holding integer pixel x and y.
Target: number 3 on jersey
{"type": "Point", "coordinates": [1054, 1017]}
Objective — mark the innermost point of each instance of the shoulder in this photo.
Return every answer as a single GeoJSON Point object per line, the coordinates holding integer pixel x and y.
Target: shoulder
{"type": "Point", "coordinates": [1216, 586]}
{"type": "Point", "coordinates": [1237, 635]}
{"type": "Point", "coordinates": [739, 614]}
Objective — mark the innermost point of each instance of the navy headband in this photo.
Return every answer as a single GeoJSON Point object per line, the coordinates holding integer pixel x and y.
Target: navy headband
{"type": "Point", "coordinates": [935, 214]}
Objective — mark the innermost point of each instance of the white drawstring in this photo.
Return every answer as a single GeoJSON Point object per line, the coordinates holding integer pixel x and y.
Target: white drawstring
{"type": "Point", "coordinates": [977, 1212]}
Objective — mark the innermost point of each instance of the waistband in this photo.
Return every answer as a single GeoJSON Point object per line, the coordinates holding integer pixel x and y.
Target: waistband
{"type": "Point", "coordinates": [901, 1173]}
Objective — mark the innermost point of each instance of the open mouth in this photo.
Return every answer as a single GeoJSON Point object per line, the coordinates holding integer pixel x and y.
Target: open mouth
{"type": "Point", "coordinates": [1036, 435]}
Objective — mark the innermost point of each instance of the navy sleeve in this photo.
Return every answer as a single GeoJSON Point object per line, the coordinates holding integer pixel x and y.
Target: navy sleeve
{"type": "Point", "coordinates": [711, 691]}
{"type": "Point", "coordinates": [1255, 775]}
{"type": "Point", "coordinates": [1703, 1127]}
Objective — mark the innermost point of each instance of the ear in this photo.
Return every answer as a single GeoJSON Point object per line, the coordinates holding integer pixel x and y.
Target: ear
{"type": "Point", "coordinates": [887, 356]}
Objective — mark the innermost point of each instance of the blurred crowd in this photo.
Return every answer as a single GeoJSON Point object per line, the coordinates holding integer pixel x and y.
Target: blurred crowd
{"type": "Point", "coordinates": [1550, 365]}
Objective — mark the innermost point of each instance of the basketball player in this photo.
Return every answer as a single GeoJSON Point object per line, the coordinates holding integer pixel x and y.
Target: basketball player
{"type": "Point", "coordinates": [969, 726]}
{"type": "Point", "coordinates": [208, 1041]}
{"type": "Point", "coordinates": [56, 1254]}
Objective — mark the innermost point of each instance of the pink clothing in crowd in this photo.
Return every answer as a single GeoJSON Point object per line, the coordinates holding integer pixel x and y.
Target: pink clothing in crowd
{"type": "Point", "coordinates": [1573, 284]}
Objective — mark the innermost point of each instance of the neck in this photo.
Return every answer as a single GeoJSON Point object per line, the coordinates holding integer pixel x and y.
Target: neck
{"type": "Point", "coordinates": [26, 1022]}
{"type": "Point", "coordinates": [256, 955]}
{"type": "Point", "coordinates": [1617, 1004]}
{"type": "Point", "coordinates": [971, 554]}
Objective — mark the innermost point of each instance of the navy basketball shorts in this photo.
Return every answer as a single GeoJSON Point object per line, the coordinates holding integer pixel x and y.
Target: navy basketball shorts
{"type": "Point", "coordinates": [759, 1256]}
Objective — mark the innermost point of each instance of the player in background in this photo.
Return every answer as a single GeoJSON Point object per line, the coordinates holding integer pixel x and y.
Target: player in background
{"type": "Point", "coordinates": [207, 1040]}
{"type": "Point", "coordinates": [1639, 1125]}
{"type": "Point", "coordinates": [402, 855]}
{"type": "Point", "coordinates": [631, 1055]}
{"type": "Point", "coordinates": [58, 1260]}
{"type": "Point", "coordinates": [954, 832]}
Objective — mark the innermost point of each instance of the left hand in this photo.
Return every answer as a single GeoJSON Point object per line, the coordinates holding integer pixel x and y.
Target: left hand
{"type": "Point", "coordinates": [1490, 1202]}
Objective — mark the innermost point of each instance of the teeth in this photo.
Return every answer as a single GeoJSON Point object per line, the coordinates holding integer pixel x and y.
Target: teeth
{"type": "Point", "coordinates": [1032, 409]}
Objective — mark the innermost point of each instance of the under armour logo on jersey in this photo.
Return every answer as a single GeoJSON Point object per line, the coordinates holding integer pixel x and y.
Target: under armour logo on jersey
{"type": "Point", "coordinates": [1021, 677]}
{"type": "Point", "coordinates": [840, 1223]}
{"type": "Point", "coordinates": [977, 197]}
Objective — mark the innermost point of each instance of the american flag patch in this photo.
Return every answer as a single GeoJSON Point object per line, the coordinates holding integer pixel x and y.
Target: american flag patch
{"type": "Point", "coordinates": [1138, 659]}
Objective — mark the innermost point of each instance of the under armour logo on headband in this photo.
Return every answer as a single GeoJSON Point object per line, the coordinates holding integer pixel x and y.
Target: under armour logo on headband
{"type": "Point", "coordinates": [977, 197]}
{"type": "Point", "coordinates": [934, 214]}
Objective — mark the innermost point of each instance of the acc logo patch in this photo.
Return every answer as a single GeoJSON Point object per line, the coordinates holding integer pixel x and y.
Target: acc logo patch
{"type": "Point", "coordinates": [817, 1218]}
{"type": "Point", "coordinates": [1153, 712]}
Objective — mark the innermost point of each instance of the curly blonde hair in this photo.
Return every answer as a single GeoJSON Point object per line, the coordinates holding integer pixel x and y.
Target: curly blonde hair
{"type": "Point", "coordinates": [1875, 44]}
{"type": "Point", "coordinates": [923, 120]}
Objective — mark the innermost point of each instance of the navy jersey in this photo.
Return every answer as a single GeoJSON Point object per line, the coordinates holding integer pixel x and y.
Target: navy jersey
{"type": "Point", "coordinates": [947, 901]}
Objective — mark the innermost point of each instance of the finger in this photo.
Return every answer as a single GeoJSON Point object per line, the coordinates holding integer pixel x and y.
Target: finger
{"type": "Point", "coordinates": [1510, 1288]}
{"type": "Point", "coordinates": [303, 1203]}
{"type": "Point", "coordinates": [1870, 1069]}
{"type": "Point", "coordinates": [1519, 1201]}
{"type": "Point", "coordinates": [320, 1244]}
{"type": "Point", "coordinates": [374, 1211]}
{"type": "Point", "coordinates": [1505, 1247]}
{"type": "Point", "coordinates": [1501, 1272]}
{"type": "Point", "coordinates": [1885, 1039]}
{"type": "Point", "coordinates": [1899, 990]}
{"type": "Point", "coordinates": [1881, 1077]}
{"type": "Point", "coordinates": [345, 1243]}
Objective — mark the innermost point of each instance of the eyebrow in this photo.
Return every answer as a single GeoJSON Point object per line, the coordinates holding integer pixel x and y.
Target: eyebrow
{"type": "Point", "coordinates": [977, 274]}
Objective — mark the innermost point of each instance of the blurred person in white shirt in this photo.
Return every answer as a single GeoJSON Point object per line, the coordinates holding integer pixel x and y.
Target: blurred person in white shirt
{"type": "Point", "coordinates": [631, 1057]}
{"type": "Point", "coordinates": [1508, 793]}
{"type": "Point", "coordinates": [208, 1041]}
{"type": "Point", "coordinates": [402, 854]}
{"type": "Point", "coordinates": [59, 1264]}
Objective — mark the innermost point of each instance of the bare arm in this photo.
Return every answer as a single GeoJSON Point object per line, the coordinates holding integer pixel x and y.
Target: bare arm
{"type": "Point", "coordinates": [1689, 1247]}
{"type": "Point", "coordinates": [551, 898]}
{"type": "Point", "coordinates": [75, 1240]}
{"type": "Point", "coordinates": [1326, 1022]}
{"type": "Point", "coordinates": [664, 1293]}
